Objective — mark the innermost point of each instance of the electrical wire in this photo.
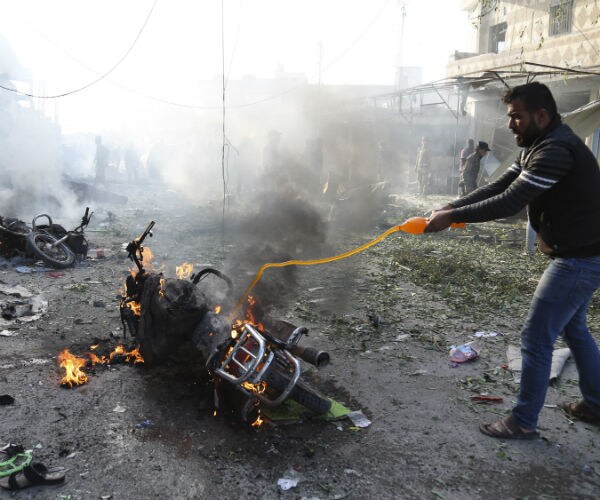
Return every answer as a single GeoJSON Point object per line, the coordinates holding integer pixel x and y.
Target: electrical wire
{"type": "Point", "coordinates": [201, 107]}
{"type": "Point", "coordinates": [102, 77]}
{"type": "Point", "coordinates": [224, 138]}
{"type": "Point", "coordinates": [118, 84]}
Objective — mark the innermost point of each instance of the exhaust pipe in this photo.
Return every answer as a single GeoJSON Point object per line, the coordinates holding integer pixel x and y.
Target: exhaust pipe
{"type": "Point", "coordinates": [311, 355]}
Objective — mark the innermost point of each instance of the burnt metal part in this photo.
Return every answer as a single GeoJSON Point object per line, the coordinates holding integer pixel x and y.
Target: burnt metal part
{"type": "Point", "coordinates": [135, 251]}
{"type": "Point", "coordinates": [210, 336]}
{"type": "Point", "coordinates": [196, 277]}
{"type": "Point", "coordinates": [311, 355]}
{"type": "Point", "coordinates": [170, 311]}
{"type": "Point", "coordinates": [50, 242]}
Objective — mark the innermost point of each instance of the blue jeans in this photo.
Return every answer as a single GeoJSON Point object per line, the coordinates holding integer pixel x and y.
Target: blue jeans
{"type": "Point", "coordinates": [559, 305]}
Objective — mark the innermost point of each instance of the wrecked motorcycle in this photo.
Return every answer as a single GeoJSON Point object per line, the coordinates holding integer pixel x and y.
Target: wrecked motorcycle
{"type": "Point", "coordinates": [249, 364]}
{"type": "Point", "coordinates": [266, 369]}
{"type": "Point", "coordinates": [46, 241]}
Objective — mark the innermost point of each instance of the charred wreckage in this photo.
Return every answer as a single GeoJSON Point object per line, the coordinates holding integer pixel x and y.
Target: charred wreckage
{"type": "Point", "coordinates": [44, 240]}
{"type": "Point", "coordinates": [249, 364]}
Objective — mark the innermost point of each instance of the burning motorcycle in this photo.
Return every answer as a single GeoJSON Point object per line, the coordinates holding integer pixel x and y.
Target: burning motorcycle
{"type": "Point", "coordinates": [250, 364]}
{"type": "Point", "coordinates": [45, 240]}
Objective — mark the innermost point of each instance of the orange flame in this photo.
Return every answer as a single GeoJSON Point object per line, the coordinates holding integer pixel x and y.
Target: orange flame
{"type": "Point", "coordinates": [255, 388]}
{"type": "Point", "coordinates": [136, 307]}
{"type": "Point", "coordinates": [238, 325]}
{"type": "Point", "coordinates": [258, 422]}
{"type": "Point", "coordinates": [250, 318]}
{"type": "Point", "coordinates": [147, 257]}
{"type": "Point", "coordinates": [72, 365]}
{"type": "Point", "coordinates": [184, 271]}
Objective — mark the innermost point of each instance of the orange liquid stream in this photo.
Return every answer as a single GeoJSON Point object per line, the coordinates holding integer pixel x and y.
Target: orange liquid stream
{"type": "Point", "coordinates": [414, 225]}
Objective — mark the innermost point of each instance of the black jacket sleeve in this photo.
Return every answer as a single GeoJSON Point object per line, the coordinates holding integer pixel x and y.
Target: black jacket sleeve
{"type": "Point", "coordinates": [517, 187]}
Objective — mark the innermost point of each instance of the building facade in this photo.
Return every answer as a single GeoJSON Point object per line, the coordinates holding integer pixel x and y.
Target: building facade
{"type": "Point", "coordinates": [560, 33]}
{"type": "Point", "coordinates": [556, 42]}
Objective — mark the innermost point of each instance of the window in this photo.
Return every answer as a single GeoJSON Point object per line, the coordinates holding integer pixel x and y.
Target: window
{"type": "Point", "coordinates": [561, 15]}
{"type": "Point", "coordinates": [497, 37]}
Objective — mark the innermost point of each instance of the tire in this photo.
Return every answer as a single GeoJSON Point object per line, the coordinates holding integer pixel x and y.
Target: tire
{"type": "Point", "coordinates": [60, 256]}
{"type": "Point", "coordinates": [301, 393]}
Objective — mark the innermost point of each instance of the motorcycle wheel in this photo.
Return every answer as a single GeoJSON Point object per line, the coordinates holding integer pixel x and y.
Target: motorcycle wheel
{"type": "Point", "coordinates": [40, 244]}
{"type": "Point", "coordinates": [301, 393]}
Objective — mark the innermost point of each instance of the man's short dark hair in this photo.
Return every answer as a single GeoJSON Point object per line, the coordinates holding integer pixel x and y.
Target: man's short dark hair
{"type": "Point", "coordinates": [535, 95]}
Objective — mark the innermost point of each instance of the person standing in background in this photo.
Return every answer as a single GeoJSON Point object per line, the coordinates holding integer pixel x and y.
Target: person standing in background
{"type": "Point", "coordinates": [465, 152]}
{"type": "Point", "coordinates": [470, 173]}
{"type": "Point", "coordinates": [423, 166]}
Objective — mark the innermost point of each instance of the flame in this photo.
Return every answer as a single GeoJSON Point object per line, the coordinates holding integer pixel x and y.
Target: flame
{"type": "Point", "coordinates": [217, 309]}
{"type": "Point", "coordinates": [95, 359]}
{"type": "Point", "coordinates": [134, 356]}
{"type": "Point", "coordinates": [238, 325]}
{"type": "Point", "coordinates": [250, 318]}
{"type": "Point", "coordinates": [72, 365]}
{"type": "Point", "coordinates": [184, 271]}
{"type": "Point", "coordinates": [258, 422]}
{"type": "Point", "coordinates": [136, 307]}
{"type": "Point", "coordinates": [146, 261]}
{"type": "Point", "coordinates": [148, 256]}
{"type": "Point", "coordinates": [161, 289]}
{"type": "Point", "coordinates": [255, 388]}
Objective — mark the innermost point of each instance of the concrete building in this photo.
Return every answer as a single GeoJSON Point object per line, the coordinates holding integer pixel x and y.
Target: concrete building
{"type": "Point", "coordinates": [556, 42]}
{"type": "Point", "coordinates": [561, 33]}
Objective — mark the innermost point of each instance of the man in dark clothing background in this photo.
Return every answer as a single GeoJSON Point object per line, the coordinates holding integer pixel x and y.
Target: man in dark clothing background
{"type": "Point", "coordinates": [470, 172]}
{"type": "Point", "coordinates": [558, 178]}
{"type": "Point", "coordinates": [465, 152]}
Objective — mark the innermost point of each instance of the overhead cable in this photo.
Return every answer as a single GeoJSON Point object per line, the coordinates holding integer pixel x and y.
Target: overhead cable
{"type": "Point", "coordinates": [102, 77]}
{"type": "Point", "coordinates": [214, 107]}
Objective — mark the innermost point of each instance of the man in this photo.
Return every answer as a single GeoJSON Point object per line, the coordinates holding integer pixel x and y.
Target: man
{"type": "Point", "coordinates": [470, 173]}
{"type": "Point", "coordinates": [465, 152]}
{"type": "Point", "coordinates": [558, 178]}
{"type": "Point", "coordinates": [423, 167]}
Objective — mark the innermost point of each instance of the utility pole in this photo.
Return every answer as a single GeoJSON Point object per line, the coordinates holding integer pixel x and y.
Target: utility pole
{"type": "Point", "coordinates": [400, 70]}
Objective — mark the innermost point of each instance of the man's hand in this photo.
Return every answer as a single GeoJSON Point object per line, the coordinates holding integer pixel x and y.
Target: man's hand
{"type": "Point", "coordinates": [438, 221]}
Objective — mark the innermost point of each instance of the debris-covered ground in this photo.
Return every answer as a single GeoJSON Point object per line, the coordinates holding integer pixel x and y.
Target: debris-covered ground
{"type": "Point", "coordinates": [388, 318]}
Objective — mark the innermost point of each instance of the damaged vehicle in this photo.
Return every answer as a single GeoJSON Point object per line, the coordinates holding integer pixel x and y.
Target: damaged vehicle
{"type": "Point", "coordinates": [44, 240]}
{"type": "Point", "coordinates": [251, 363]}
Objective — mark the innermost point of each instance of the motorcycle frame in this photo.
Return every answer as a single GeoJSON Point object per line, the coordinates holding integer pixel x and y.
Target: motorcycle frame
{"type": "Point", "coordinates": [250, 371]}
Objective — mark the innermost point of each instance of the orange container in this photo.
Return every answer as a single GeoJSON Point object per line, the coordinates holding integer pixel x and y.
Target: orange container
{"type": "Point", "coordinates": [417, 225]}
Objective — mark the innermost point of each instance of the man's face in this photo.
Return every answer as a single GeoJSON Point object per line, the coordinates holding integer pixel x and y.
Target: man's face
{"type": "Point", "coordinates": [522, 123]}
